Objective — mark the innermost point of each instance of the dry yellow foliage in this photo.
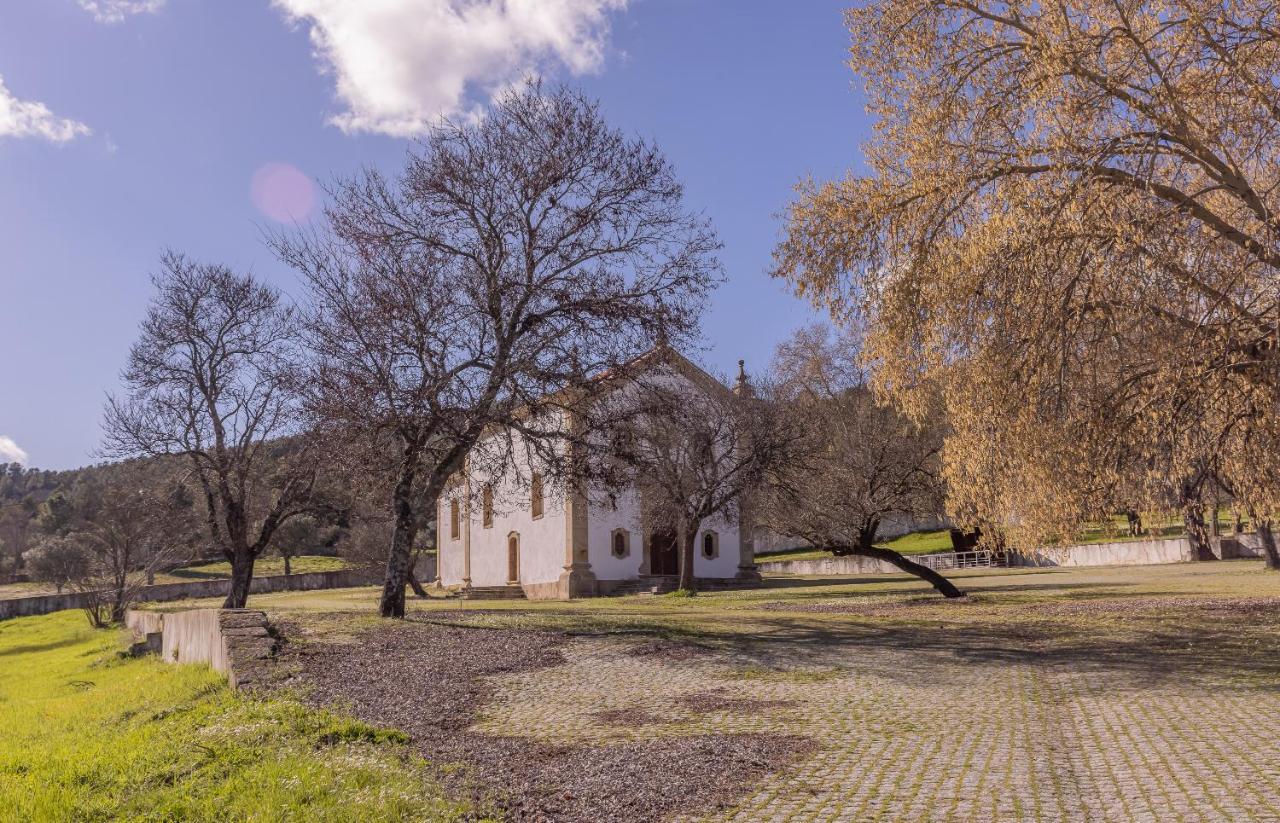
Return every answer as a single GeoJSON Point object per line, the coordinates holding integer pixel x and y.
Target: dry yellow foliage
{"type": "Point", "coordinates": [1067, 235]}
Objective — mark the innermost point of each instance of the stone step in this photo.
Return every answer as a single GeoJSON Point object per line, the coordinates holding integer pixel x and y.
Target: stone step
{"type": "Point", "coordinates": [511, 592]}
{"type": "Point", "coordinates": [646, 585]}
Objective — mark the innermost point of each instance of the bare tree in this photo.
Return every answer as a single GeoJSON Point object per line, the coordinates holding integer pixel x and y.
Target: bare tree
{"type": "Point", "coordinates": [860, 462]}
{"type": "Point", "coordinates": [511, 257]}
{"type": "Point", "coordinates": [211, 378]}
{"type": "Point", "coordinates": [692, 450]}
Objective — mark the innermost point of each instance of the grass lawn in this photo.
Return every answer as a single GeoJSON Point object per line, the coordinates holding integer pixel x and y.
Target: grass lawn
{"type": "Point", "coordinates": [90, 736]}
{"type": "Point", "coordinates": [913, 543]}
{"type": "Point", "coordinates": [265, 567]}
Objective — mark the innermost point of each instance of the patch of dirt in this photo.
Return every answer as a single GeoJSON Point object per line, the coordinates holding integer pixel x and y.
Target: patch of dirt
{"type": "Point", "coordinates": [428, 681]}
{"type": "Point", "coordinates": [662, 649]}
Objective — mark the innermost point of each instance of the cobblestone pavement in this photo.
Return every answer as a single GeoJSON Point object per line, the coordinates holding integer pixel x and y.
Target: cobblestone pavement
{"type": "Point", "coordinates": [914, 727]}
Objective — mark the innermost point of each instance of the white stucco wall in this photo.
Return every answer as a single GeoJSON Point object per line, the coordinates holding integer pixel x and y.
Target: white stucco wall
{"type": "Point", "coordinates": [604, 518]}
{"type": "Point", "coordinates": [542, 539]}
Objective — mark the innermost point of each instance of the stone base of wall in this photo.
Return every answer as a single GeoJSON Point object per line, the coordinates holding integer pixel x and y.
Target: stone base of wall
{"type": "Point", "coordinates": [555, 590]}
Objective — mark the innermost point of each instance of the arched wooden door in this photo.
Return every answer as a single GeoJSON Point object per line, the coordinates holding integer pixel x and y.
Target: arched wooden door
{"type": "Point", "coordinates": [513, 558]}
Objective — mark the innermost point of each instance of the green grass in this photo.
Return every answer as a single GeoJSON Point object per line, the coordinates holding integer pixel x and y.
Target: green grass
{"type": "Point", "coordinates": [266, 567]}
{"type": "Point", "coordinates": [90, 736]}
{"type": "Point", "coordinates": [913, 543]}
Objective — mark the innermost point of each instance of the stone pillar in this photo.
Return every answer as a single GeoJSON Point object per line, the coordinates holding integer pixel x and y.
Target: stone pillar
{"type": "Point", "coordinates": [466, 526]}
{"type": "Point", "coordinates": [577, 579]}
{"type": "Point", "coordinates": [747, 569]}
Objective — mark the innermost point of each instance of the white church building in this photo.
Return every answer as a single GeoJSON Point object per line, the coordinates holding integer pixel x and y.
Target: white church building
{"type": "Point", "coordinates": [515, 536]}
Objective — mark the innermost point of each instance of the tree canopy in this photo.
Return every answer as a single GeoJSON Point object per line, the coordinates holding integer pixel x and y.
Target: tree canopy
{"type": "Point", "coordinates": [1067, 237]}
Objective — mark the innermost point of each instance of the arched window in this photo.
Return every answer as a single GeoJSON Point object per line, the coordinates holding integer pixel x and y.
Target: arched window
{"type": "Point", "coordinates": [486, 510]}
{"type": "Point", "coordinates": [621, 543]}
{"type": "Point", "coordinates": [535, 496]}
{"type": "Point", "coordinates": [710, 545]}
{"type": "Point", "coordinates": [453, 518]}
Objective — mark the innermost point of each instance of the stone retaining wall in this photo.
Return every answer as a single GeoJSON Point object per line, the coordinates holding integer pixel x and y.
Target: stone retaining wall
{"type": "Point", "coordinates": [235, 642]}
{"type": "Point", "coordinates": [1125, 553]}
{"type": "Point", "coordinates": [830, 565]}
{"type": "Point", "coordinates": [1119, 553]}
{"type": "Point", "coordinates": [163, 592]}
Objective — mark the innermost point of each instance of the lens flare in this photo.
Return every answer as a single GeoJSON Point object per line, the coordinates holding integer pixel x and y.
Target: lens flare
{"type": "Point", "coordinates": [283, 193]}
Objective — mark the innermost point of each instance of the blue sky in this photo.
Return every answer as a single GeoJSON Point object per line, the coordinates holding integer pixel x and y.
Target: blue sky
{"type": "Point", "coordinates": [127, 126]}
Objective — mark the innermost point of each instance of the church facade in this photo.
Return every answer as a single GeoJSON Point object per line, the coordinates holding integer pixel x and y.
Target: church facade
{"type": "Point", "coordinates": [519, 533]}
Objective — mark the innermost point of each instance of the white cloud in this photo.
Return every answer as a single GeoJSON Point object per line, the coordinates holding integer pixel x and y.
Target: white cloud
{"type": "Point", "coordinates": [115, 11]}
{"type": "Point", "coordinates": [29, 118]}
{"type": "Point", "coordinates": [11, 452]}
{"type": "Point", "coordinates": [398, 65]}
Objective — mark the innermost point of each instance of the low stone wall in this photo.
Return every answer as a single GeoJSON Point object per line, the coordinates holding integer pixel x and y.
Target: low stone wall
{"type": "Point", "coordinates": [235, 642]}
{"type": "Point", "coordinates": [1119, 553]}
{"type": "Point", "coordinates": [1125, 553]}
{"type": "Point", "coordinates": [830, 565]}
{"type": "Point", "coordinates": [163, 592]}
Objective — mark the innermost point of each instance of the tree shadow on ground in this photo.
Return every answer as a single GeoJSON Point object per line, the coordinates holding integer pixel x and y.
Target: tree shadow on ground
{"type": "Point", "coordinates": [1141, 652]}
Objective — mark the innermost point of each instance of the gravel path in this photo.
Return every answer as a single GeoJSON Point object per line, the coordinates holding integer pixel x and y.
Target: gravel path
{"type": "Point", "coordinates": [434, 682]}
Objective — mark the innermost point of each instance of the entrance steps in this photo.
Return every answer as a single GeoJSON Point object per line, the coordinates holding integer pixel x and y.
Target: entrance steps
{"type": "Point", "coordinates": [646, 584]}
{"type": "Point", "coordinates": [508, 592]}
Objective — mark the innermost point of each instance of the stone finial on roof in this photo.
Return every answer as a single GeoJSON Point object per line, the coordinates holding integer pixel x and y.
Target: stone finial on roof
{"type": "Point", "coordinates": [742, 385]}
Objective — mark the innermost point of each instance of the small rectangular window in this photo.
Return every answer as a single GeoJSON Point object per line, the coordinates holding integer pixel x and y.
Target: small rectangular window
{"type": "Point", "coordinates": [486, 519]}
{"type": "Point", "coordinates": [453, 518]}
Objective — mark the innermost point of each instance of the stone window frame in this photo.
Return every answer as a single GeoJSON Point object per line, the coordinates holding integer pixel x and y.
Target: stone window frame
{"type": "Point", "coordinates": [537, 498]}
{"type": "Point", "coordinates": [486, 506]}
{"type": "Point", "coordinates": [626, 543]}
{"type": "Point", "coordinates": [710, 539]}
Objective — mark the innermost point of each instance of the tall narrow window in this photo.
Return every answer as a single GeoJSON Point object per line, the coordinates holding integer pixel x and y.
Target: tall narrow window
{"type": "Point", "coordinates": [486, 518]}
{"type": "Point", "coordinates": [453, 518]}
{"type": "Point", "coordinates": [710, 545]}
{"type": "Point", "coordinates": [535, 495]}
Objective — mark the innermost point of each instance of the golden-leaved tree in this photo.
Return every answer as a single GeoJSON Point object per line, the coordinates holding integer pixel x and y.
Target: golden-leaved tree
{"type": "Point", "coordinates": [1067, 235]}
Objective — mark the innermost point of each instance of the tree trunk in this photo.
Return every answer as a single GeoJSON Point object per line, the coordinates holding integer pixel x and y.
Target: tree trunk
{"type": "Point", "coordinates": [944, 586]}
{"type": "Point", "coordinates": [688, 583]}
{"type": "Point", "coordinates": [867, 534]}
{"type": "Point", "coordinates": [414, 583]}
{"type": "Point", "coordinates": [1267, 537]}
{"type": "Point", "coordinates": [288, 568]}
{"type": "Point", "coordinates": [1197, 532]}
{"type": "Point", "coordinates": [241, 576]}
{"type": "Point", "coordinates": [400, 558]}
